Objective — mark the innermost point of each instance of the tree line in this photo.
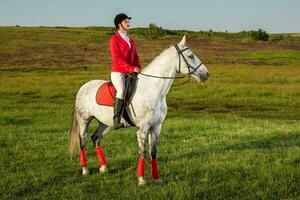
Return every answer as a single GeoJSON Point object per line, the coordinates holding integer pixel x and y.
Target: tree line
{"type": "Point", "coordinates": [154, 31]}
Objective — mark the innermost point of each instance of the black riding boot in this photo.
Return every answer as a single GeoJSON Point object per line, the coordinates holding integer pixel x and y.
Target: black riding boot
{"type": "Point", "coordinates": [118, 108]}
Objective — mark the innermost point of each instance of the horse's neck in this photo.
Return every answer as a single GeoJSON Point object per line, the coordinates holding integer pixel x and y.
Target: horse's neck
{"type": "Point", "coordinates": [163, 66]}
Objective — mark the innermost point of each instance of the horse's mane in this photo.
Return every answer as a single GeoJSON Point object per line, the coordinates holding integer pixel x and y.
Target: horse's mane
{"type": "Point", "coordinates": [157, 58]}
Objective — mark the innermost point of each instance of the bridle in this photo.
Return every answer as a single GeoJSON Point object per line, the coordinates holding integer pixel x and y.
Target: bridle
{"type": "Point", "coordinates": [180, 54]}
{"type": "Point", "coordinates": [190, 67]}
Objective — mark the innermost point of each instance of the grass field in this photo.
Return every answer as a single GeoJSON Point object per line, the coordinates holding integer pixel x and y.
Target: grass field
{"type": "Point", "coordinates": [236, 137]}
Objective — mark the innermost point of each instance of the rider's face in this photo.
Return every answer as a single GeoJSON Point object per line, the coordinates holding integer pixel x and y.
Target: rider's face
{"type": "Point", "coordinates": [126, 24]}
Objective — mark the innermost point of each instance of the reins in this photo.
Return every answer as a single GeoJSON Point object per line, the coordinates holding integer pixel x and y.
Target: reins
{"type": "Point", "coordinates": [162, 77]}
{"type": "Point", "coordinates": [179, 67]}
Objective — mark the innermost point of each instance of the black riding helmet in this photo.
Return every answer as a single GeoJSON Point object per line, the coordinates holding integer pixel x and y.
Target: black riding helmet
{"type": "Point", "coordinates": [119, 18]}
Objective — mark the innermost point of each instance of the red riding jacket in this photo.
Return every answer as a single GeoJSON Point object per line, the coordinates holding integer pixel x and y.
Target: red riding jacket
{"type": "Point", "coordinates": [124, 58]}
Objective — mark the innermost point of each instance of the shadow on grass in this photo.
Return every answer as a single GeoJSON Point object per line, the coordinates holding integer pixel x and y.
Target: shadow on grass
{"type": "Point", "coordinates": [15, 121]}
{"type": "Point", "coordinates": [279, 141]}
{"type": "Point", "coordinates": [253, 111]}
{"type": "Point", "coordinates": [37, 187]}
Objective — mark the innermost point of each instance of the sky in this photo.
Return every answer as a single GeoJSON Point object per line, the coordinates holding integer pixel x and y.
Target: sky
{"type": "Point", "coordinates": [274, 16]}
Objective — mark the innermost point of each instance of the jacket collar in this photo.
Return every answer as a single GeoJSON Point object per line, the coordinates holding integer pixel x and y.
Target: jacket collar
{"type": "Point", "coordinates": [123, 41]}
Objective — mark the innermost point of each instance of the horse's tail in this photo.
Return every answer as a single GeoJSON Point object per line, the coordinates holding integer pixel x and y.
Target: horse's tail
{"type": "Point", "coordinates": [74, 134]}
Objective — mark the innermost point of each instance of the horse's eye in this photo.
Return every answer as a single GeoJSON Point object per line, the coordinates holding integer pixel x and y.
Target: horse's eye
{"type": "Point", "coordinates": [191, 56]}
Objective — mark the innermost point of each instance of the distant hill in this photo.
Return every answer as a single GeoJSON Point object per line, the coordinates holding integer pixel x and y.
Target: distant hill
{"type": "Point", "coordinates": [55, 47]}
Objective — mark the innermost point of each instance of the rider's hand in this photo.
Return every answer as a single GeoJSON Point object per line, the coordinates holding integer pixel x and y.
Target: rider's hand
{"type": "Point", "coordinates": [136, 69]}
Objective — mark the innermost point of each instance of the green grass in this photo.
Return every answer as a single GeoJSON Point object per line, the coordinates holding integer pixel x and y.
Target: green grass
{"type": "Point", "coordinates": [236, 137]}
{"type": "Point", "coordinates": [295, 34]}
{"type": "Point", "coordinates": [273, 57]}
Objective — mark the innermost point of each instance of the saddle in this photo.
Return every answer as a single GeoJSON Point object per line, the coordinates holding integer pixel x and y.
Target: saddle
{"type": "Point", "coordinates": [106, 94]}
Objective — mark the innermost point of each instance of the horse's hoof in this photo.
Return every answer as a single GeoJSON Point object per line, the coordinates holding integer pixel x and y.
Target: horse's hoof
{"type": "Point", "coordinates": [158, 181]}
{"type": "Point", "coordinates": [141, 181]}
{"type": "Point", "coordinates": [85, 171]}
{"type": "Point", "coordinates": [103, 169]}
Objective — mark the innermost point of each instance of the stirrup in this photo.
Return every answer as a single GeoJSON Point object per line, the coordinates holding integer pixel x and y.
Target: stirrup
{"type": "Point", "coordinates": [117, 123]}
{"type": "Point", "coordinates": [120, 125]}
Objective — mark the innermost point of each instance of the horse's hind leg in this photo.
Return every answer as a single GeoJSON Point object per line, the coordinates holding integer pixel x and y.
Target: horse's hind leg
{"type": "Point", "coordinates": [96, 137]}
{"type": "Point", "coordinates": [83, 124]}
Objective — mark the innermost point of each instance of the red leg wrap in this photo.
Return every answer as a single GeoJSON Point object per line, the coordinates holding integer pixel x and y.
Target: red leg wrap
{"type": "Point", "coordinates": [83, 157]}
{"type": "Point", "coordinates": [141, 167]}
{"type": "Point", "coordinates": [101, 157]}
{"type": "Point", "coordinates": [154, 169]}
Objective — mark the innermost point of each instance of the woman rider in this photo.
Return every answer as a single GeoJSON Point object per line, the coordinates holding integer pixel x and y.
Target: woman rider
{"type": "Point", "coordinates": [124, 60]}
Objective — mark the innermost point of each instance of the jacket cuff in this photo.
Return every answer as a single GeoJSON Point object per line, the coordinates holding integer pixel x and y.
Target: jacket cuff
{"type": "Point", "coordinates": [131, 69]}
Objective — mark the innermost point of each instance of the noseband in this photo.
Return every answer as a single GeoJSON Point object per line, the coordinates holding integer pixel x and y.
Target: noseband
{"type": "Point", "coordinates": [180, 54]}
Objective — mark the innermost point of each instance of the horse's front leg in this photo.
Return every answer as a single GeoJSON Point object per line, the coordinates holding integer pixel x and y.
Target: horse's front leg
{"type": "Point", "coordinates": [153, 142]}
{"type": "Point", "coordinates": [141, 137]}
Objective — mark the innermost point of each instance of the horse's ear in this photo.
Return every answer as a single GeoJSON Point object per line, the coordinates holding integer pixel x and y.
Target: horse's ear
{"type": "Point", "coordinates": [183, 41]}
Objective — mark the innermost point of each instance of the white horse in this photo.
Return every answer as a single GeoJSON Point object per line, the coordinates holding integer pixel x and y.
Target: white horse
{"type": "Point", "coordinates": [148, 107]}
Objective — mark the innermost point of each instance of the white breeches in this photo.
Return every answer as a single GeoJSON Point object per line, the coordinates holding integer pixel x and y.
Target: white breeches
{"type": "Point", "coordinates": [118, 80]}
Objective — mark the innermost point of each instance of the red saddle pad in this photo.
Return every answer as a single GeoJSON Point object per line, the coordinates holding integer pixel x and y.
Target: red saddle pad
{"type": "Point", "coordinates": [106, 94]}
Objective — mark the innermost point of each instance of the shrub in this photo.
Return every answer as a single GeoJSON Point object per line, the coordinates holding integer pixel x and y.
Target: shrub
{"type": "Point", "coordinates": [152, 31]}
{"type": "Point", "coordinates": [155, 31]}
{"type": "Point", "coordinates": [259, 35]}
